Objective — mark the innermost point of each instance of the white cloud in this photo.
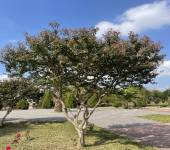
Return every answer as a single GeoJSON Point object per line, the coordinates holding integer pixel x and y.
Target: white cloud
{"type": "Point", "coordinates": [148, 16]}
{"type": "Point", "coordinates": [164, 69]}
{"type": "Point", "coordinates": [3, 77]}
{"type": "Point", "coordinates": [13, 41]}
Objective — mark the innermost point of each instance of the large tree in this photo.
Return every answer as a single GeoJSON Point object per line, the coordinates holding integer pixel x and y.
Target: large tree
{"type": "Point", "coordinates": [77, 59]}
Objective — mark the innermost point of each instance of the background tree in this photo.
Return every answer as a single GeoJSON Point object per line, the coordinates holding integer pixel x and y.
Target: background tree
{"type": "Point", "coordinates": [166, 96]}
{"type": "Point", "coordinates": [139, 96]}
{"type": "Point", "coordinates": [130, 94]}
{"type": "Point", "coordinates": [22, 104]}
{"type": "Point", "coordinates": [115, 100]}
{"type": "Point", "coordinates": [156, 96]}
{"type": "Point", "coordinates": [62, 57]}
{"type": "Point", "coordinates": [47, 101]}
{"type": "Point", "coordinates": [143, 97]}
{"type": "Point", "coordinates": [8, 97]}
{"type": "Point", "coordinates": [12, 91]}
{"type": "Point", "coordinates": [68, 98]}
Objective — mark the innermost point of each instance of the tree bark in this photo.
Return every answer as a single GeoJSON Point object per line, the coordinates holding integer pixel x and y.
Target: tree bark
{"type": "Point", "coordinates": [81, 140]}
{"type": "Point", "coordinates": [57, 103]}
{"type": "Point", "coordinates": [3, 119]}
{"type": "Point", "coordinates": [80, 124]}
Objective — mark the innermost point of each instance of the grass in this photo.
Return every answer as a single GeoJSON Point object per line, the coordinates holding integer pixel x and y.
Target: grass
{"type": "Point", "coordinates": [159, 118]}
{"type": "Point", "coordinates": [62, 136]}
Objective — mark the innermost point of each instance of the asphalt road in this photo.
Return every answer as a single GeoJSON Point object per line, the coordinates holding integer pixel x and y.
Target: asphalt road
{"type": "Point", "coordinates": [103, 117]}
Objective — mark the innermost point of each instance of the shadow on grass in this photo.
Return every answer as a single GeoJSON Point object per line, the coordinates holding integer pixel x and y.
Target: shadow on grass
{"type": "Point", "coordinates": [11, 128]}
{"type": "Point", "coordinates": [104, 137]}
{"type": "Point", "coordinates": [95, 137]}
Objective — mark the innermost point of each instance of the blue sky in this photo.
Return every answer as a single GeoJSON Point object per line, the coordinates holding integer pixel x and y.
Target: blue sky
{"type": "Point", "coordinates": [144, 17]}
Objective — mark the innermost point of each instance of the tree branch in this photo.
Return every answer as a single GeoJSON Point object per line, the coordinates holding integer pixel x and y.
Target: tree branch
{"type": "Point", "coordinates": [65, 110]}
{"type": "Point", "coordinates": [7, 113]}
{"type": "Point", "coordinates": [94, 108]}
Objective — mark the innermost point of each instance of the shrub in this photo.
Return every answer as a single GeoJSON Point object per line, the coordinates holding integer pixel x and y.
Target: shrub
{"type": "Point", "coordinates": [112, 100]}
{"type": "Point", "coordinates": [69, 99]}
{"type": "Point", "coordinates": [163, 105]}
{"type": "Point", "coordinates": [47, 100]}
{"type": "Point", "coordinates": [22, 104]}
{"type": "Point", "coordinates": [140, 103]}
{"type": "Point", "coordinates": [117, 103]}
{"type": "Point", "coordinates": [39, 105]}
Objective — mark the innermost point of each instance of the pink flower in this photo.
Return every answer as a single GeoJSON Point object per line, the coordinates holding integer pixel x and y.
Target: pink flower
{"type": "Point", "coordinates": [8, 147]}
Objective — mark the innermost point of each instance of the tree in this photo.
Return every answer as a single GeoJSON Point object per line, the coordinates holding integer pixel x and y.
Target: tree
{"type": "Point", "coordinates": [8, 97]}
{"type": "Point", "coordinates": [11, 92]}
{"type": "Point", "coordinates": [166, 95]}
{"type": "Point", "coordinates": [139, 96]}
{"type": "Point", "coordinates": [129, 95]}
{"type": "Point", "coordinates": [58, 58]}
{"type": "Point", "coordinates": [143, 97]}
{"type": "Point", "coordinates": [156, 96]}
{"type": "Point", "coordinates": [47, 100]}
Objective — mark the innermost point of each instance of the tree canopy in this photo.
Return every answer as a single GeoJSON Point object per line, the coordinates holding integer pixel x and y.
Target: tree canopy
{"type": "Point", "coordinates": [14, 90]}
{"type": "Point", "coordinates": [59, 58]}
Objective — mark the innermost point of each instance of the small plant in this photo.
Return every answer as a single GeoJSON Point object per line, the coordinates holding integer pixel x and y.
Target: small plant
{"type": "Point", "coordinates": [27, 135]}
{"type": "Point", "coordinates": [90, 127]}
{"type": "Point", "coordinates": [17, 138]}
{"type": "Point", "coordinates": [22, 104]}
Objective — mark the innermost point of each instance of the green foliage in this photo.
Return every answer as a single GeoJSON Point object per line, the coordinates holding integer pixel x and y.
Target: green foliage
{"type": "Point", "coordinates": [11, 92]}
{"type": "Point", "coordinates": [92, 101]}
{"type": "Point", "coordinates": [47, 101]}
{"type": "Point", "coordinates": [155, 96]}
{"type": "Point", "coordinates": [112, 100]}
{"type": "Point", "coordinates": [129, 93]}
{"type": "Point", "coordinates": [139, 103]}
{"type": "Point", "coordinates": [136, 97]}
{"type": "Point", "coordinates": [69, 99]}
{"type": "Point", "coordinates": [75, 57]}
{"type": "Point", "coordinates": [61, 57]}
{"type": "Point", "coordinates": [163, 105]}
{"type": "Point", "coordinates": [166, 95]}
{"type": "Point", "coordinates": [117, 103]}
{"type": "Point", "coordinates": [22, 104]}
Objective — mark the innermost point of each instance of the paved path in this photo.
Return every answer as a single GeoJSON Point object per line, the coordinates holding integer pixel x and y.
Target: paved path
{"type": "Point", "coordinates": [122, 121]}
{"type": "Point", "coordinates": [127, 123]}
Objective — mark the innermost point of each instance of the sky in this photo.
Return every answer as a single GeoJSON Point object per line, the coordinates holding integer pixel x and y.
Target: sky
{"type": "Point", "coordinates": [145, 17]}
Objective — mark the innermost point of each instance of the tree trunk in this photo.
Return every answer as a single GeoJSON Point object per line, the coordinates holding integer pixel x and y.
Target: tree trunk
{"type": "Point", "coordinates": [57, 103]}
{"type": "Point", "coordinates": [81, 139]}
{"type": "Point", "coordinates": [57, 106]}
{"type": "Point", "coordinates": [3, 119]}
{"type": "Point", "coordinates": [81, 128]}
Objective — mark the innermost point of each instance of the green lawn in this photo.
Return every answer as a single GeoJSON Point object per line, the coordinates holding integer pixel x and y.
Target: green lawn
{"type": "Point", "coordinates": [159, 118]}
{"type": "Point", "coordinates": [61, 136]}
